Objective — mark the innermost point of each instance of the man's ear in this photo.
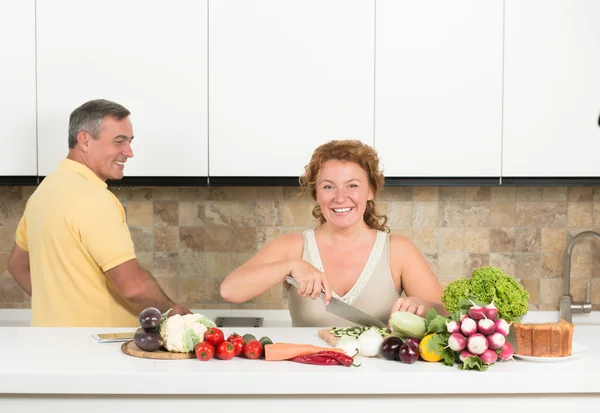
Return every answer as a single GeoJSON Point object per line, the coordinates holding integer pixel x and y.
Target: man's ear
{"type": "Point", "coordinates": [83, 141]}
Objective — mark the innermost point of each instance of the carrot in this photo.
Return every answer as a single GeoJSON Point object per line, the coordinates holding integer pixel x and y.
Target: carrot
{"type": "Point", "coordinates": [286, 351]}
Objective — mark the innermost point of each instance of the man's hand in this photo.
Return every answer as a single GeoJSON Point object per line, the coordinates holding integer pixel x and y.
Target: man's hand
{"type": "Point", "coordinates": [179, 309]}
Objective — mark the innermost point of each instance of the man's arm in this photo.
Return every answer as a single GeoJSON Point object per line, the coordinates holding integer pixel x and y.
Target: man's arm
{"type": "Point", "coordinates": [18, 267]}
{"type": "Point", "coordinates": [140, 290]}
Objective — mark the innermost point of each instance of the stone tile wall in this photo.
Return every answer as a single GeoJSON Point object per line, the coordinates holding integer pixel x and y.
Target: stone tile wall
{"type": "Point", "coordinates": [191, 238]}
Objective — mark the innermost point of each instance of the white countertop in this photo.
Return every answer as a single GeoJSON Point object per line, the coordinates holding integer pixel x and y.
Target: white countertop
{"type": "Point", "coordinates": [69, 361]}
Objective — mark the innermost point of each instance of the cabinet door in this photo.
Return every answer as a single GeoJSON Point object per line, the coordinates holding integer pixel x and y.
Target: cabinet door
{"type": "Point", "coordinates": [147, 55]}
{"type": "Point", "coordinates": [438, 94]}
{"type": "Point", "coordinates": [286, 76]}
{"type": "Point", "coordinates": [17, 86]}
{"type": "Point", "coordinates": [552, 88]}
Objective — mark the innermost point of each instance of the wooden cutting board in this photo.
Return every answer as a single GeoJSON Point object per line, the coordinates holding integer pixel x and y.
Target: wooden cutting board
{"type": "Point", "coordinates": [328, 337]}
{"type": "Point", "coordinates": [131, 349]}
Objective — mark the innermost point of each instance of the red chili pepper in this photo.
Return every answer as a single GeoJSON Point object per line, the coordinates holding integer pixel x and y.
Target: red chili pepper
{"type": "Point", "coordinates": [342, 358]}
{"type": "Point", "coordinates": [320, 360]}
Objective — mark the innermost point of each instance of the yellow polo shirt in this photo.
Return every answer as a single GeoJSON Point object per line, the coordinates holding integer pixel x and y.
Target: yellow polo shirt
{"type": "Point", "coordinates": [74, 229]}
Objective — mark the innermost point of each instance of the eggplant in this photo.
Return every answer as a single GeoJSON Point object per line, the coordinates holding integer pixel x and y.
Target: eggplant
{"type": "Point", "coordinates": [147, 340]}
{"type": "Point", "coordinates": [150, 318]}
{"type": "Point", "coordinates": [390, 348]}
{"type": "Point", "coordinates": [408, 353]}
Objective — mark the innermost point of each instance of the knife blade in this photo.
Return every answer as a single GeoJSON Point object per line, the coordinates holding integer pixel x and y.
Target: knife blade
{"type": "Point", "coordinates": [345, 311]}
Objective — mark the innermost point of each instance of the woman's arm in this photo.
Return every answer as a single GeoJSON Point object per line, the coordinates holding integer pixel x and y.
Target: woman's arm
{"type": "Point", "coordinates": [269, 267]}
{"type": "Point", "coordinates": [414, 276]}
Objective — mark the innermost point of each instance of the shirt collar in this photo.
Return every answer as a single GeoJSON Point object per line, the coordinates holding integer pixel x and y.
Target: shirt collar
{"type": "Point", "coordinates": [82, 170]}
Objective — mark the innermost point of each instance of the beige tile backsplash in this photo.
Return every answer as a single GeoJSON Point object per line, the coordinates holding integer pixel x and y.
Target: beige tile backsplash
{"type": "Point", "coordinates": [191, 238]}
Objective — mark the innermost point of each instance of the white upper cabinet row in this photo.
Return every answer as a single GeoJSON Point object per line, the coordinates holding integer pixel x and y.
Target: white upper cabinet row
{"type": "Point", "coordinates": [251, 87]}
{"type": "Point", "coordinates": [438, 94]}
{"type": "Point", "coordinates": [17, 88]}
{"type": "Point", "coordinates": [284, 78]}
{"type": "Point", "coordinates": [146, 55]}
{"type": "Point", "coordinates": [552, 88]}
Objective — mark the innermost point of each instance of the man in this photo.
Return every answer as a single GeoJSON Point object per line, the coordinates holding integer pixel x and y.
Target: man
{"type": "Point", "coordinates": [73, 252]}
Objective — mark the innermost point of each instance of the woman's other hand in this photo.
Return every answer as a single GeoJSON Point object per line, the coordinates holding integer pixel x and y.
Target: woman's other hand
{"type": "Point", "coordinates": [412, 305]}
{"type": "Point", "coordinates": [310, 280]}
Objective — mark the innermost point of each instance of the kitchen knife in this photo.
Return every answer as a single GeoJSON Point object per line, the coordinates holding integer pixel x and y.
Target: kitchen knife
{"type": "Point", "coordinates": [113, 337]}
{"type": "Point", "coordinates": [345, 311]}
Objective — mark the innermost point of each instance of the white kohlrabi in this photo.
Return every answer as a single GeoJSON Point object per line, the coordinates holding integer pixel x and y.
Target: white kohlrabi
{"type": "Point", "coordinates": [370, 343]}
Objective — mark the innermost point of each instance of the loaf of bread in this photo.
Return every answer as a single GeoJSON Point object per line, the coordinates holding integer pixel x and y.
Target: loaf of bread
{"type": "Point", "coordinates": [544, 340]}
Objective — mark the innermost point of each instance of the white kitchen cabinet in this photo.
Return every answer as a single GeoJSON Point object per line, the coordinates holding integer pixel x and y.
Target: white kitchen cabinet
{"type": "Point", "coordinates": [286, 76]}
{"type": "Point", "coordinates": [17, 86]}
{"type": "Point", "coordinates": [552, 88]}
{"type": "Point", "coordinates": [147, 55]}
{"type": "Point", "coordinates": [438, 94]}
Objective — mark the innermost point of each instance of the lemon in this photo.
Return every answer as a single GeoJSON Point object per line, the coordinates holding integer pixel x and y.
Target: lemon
{"type": "Point", "coordinates": [428, 350]}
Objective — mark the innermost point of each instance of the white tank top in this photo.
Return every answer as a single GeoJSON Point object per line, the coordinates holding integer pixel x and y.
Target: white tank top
{"type": "Point", "coordinates": [374, 292]}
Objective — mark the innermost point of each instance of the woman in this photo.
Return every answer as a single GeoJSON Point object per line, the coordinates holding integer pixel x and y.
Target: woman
{"type": "Point", "coordinates": [350, 255]}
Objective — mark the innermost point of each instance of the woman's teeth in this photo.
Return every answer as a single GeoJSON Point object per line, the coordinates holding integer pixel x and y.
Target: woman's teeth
{"type": "Point", "coordinates": [341, 210]}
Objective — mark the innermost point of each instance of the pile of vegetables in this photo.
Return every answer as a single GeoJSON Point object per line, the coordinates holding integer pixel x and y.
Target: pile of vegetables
{"type": "Point", "coordinates": [474, 339]}
{"type": "Point", "coordinates": [488, 285]}
{"type": "Point", "coordinates": [177, 333]}
{"type": "Point", "coordinates": [215, 345]}
{"type": "Point", "coordinates": [309, 354]}
{"type": "Point", "coordinates": [194, 333]}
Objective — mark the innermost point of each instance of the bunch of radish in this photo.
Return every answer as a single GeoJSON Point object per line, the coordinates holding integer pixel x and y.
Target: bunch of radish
{"type": "Point", "coordinates": [479, 333]}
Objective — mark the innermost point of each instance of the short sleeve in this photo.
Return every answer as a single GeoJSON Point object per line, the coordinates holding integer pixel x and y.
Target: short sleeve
{"type": "Point", "coordinates": [21, 234]}
{"type": "Point", "coordinates": [104, 232]}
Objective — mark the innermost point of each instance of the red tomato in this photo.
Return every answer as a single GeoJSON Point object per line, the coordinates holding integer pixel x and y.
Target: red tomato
{"type": "Point", "coordinates": [239, 346]}
{"type": "Point", "coordinates": [233, 337]}
{"type": "Point", "coordinates": [214, 336]}
{"type": "Point", "coordinates": [253, 349]}
{"type": "Point", "coordinates": [226, 351]}
{"type": "Point", "coordinates": [205, 351]}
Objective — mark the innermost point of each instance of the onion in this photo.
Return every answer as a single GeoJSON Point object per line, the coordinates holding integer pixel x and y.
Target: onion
{"type": "Point", "coordinates": [349, 344]}
{"type": "Point", "coordinates": [370, 343]}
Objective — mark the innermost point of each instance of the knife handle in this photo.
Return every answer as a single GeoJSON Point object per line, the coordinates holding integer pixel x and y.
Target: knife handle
{"type": "Point", "coordinates": [290, 280]}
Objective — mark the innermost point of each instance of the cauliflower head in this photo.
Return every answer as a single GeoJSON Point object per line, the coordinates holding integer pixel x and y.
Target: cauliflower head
{"type": "Point", "coordinates": [181, 334]}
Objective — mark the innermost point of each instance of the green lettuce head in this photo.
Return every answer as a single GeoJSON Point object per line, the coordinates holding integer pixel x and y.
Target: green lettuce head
{"type": "Point", "coordinates": [488, 284]}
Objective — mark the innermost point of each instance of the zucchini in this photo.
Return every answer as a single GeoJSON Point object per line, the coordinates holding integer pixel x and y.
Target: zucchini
{"type": "Point", "coordinates": [355, 332]}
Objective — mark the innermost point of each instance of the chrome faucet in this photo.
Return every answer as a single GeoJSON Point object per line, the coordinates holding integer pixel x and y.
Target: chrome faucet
{"type": "Point", "coordinates": [567, 306]}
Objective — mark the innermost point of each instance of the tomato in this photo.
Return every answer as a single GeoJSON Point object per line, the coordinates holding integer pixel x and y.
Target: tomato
{"type": "Point", "coordinates": [253, 349]}
{"type": "Point", "coordinates": [205, 351]}
{"type": "Point", "coordinates": [226, 351]}
{"type": "Point", "coordinates": [238, 342]}
{"type": "Point", "coordinates": [233, 337]}
{"type": "Point", "coordinates": [239, 346]}
{"type": "Point", "coordinates": [214, 336]}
